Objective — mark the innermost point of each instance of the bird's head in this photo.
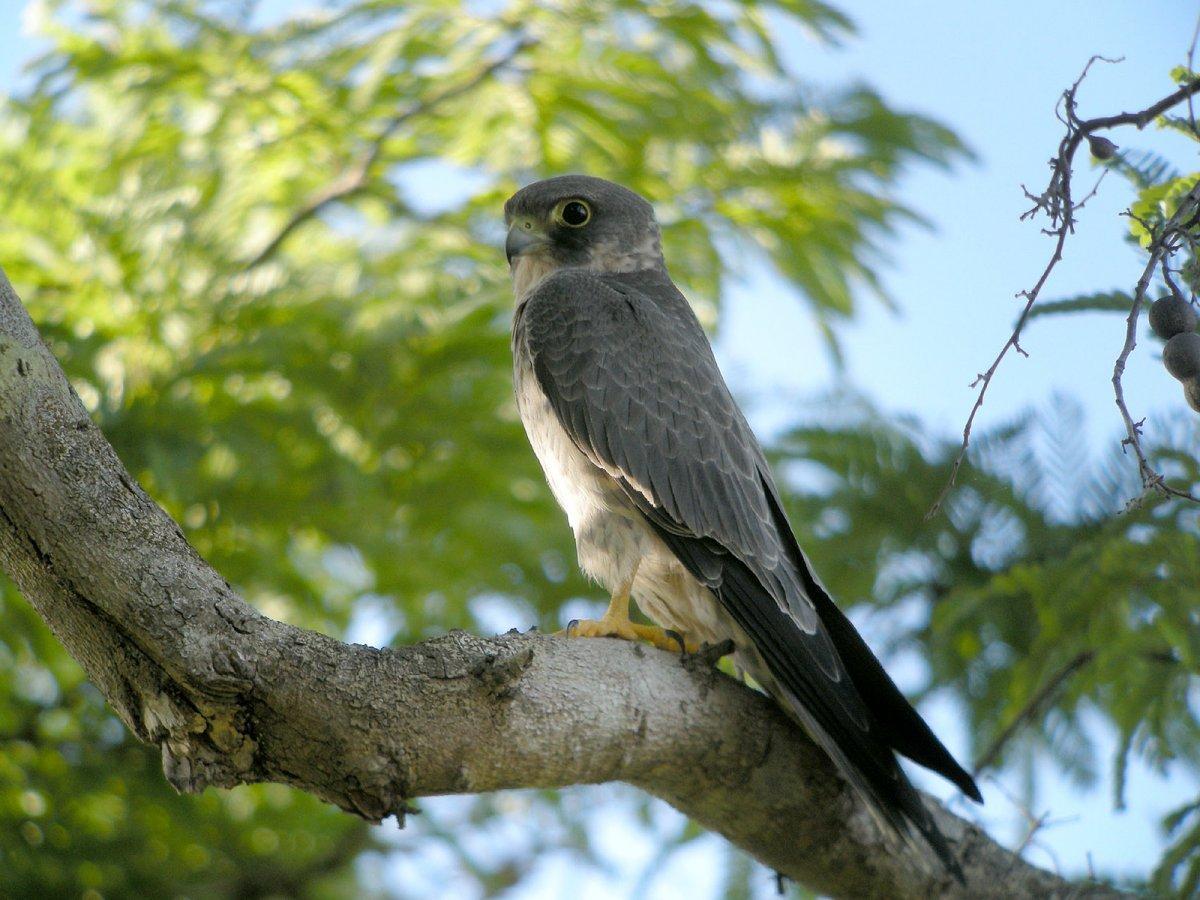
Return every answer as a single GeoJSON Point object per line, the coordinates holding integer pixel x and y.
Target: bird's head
{"type": "Point", "coordinates": [576, 221]}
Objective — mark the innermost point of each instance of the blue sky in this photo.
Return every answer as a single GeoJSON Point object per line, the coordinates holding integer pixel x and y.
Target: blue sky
{"type": "Point", "coordinates": [993, 72]}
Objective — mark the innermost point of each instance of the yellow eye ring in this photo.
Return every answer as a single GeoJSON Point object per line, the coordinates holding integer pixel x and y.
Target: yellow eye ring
{"type": "Point", "coordinates": [574, 213]}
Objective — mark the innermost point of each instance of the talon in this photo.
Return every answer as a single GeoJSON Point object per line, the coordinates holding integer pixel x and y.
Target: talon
{"type": "Point", "coordinates": [615, 623]}
{"type": "Point", "coordinates": [661, 638]}
{"type": "Point", "coordinates": [708, 655]}
{"type": "Point", "coordinates": [614, 627]}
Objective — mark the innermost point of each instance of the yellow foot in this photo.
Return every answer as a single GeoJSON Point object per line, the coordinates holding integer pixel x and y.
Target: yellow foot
{"type": "Point", "coordinates": [662, 638]}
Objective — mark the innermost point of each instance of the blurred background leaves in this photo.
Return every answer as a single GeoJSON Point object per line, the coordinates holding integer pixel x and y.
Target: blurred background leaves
{"type": "Point", "coordinates": [264, 246]}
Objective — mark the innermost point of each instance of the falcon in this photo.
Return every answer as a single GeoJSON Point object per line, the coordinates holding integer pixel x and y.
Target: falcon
{"type": "Point", "coordinates": [670, 497]}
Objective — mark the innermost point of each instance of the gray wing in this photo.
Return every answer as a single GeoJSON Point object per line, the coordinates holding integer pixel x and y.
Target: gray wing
{"type": "Point", "coordinates": [629, 371]}
{"type": "Point", "coordinates": [631, 377]}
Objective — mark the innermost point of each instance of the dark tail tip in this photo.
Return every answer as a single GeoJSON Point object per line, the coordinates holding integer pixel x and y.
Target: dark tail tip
{"type": "Point", "coordinates": [965, 783]}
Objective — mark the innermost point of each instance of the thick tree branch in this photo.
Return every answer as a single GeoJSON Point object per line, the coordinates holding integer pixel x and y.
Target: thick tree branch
{"type": "Point", "coordinates": [231, 696]}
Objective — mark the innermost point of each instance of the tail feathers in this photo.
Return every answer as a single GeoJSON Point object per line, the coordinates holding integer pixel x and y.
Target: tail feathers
{"type": "Point", "coordinates": [804, 673]}
{"type": "Point", "coordinates": [899, 724]}
{"type": "Point", "coordinates": [895, 805]}
{"type": "Point", "coordinates": [860, 751]}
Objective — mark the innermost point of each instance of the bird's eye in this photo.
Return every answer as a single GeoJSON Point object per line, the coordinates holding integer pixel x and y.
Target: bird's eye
{"type": "Point", "coordinates": [573, 213]}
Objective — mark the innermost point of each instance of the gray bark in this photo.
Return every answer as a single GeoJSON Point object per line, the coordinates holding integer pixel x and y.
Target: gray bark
{"type": "Point", "coordinates": [232, 697]}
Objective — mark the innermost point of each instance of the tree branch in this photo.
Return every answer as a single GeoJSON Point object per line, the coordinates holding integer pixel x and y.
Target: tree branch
{"type": "Point", "coordinates": [1057, 205]}
{"type": "Point", "coordinates": [232, 697]}
{"type": "Point", "coordinates": [1163, 244]}
{"type": "Point", "coordinates": [1031, 709]}
{"type": "Point", "coordinates": [354, 177]}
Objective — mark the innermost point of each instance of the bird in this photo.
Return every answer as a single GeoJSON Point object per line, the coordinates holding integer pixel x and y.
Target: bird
{"type": "Point", "coordinates": [669, 494]}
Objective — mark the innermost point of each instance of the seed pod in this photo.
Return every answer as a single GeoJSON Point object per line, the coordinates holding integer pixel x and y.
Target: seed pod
{"type": "Point", "coordinates": [1171, 315]}
{"type": "Point", "coordinates": [1191, 393]}
{"type": "Point", "coordinates": [1101, 147]}
{"type": "Point", "coordinates": [1181, 355]}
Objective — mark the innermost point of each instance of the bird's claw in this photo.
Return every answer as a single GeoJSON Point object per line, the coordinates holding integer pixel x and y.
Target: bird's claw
{"type": "Point", "coordinates": [708, 655]}
{"type": "Point", "coordinates": [663, 639]}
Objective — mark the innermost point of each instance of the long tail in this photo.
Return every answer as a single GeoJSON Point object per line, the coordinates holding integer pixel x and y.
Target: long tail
{"type": "Point", "coordinates": [806, 675]}
{"type": "Point", "coordinates": [865, 758]}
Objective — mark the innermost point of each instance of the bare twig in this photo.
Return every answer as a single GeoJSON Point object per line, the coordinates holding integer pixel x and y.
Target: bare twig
{"type": "Point", "coordinates": [354, 177]}
{"type": "Point", "coordinates": [1057, 205]}
{"type": "Point", "coordinates": [1163, 244]}
{"type": "Point", "coordinates": [1035, 823]}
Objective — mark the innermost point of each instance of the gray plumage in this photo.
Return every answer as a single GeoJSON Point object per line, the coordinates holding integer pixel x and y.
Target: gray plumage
{"type": "Point", "coordinates": [664, 483]}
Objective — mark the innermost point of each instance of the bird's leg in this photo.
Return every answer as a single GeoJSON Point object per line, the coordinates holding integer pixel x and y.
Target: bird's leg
{"type": "Point", "coordinates": [616, 623]}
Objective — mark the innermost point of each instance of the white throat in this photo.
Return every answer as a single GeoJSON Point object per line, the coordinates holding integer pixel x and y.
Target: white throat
{"type": "Point", "coordinates": [530, 269]}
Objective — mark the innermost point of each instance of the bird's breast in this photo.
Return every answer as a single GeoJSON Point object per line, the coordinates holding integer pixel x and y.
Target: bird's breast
{"type": "Point", "coordinates": [581, 488]}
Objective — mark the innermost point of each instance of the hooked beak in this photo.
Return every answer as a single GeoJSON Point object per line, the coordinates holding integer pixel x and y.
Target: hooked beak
{"type": "Point", "coordinates": [522, 236]}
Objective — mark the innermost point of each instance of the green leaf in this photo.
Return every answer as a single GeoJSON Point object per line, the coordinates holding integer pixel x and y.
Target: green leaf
{"type": "Point", "coordinates": [1106, 301]}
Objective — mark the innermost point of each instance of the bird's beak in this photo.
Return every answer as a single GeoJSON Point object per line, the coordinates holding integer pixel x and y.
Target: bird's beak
{"type": "Point", "coordinates": [522, 235]}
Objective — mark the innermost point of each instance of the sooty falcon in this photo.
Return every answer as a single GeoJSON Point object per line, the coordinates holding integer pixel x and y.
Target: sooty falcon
{"type": "Point", "coordinates": [668, 492]}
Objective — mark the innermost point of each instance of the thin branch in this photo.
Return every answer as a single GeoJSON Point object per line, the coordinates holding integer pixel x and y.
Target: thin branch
{"type": "Point", "coordinates": [1034, 825]}
{"type": "Point", "coordinates": [1057, 205]}
{"type": "Point", "coordinates": [1032, 708]}
{"type": "Point", "coordinates": [1161, 247]}
{"type": "Point", "coordinates": [1191, 55]}
{"type": "Point", "coordinates": [354, 177]}
{"type": "Point", "coordinates": [1035, 706]}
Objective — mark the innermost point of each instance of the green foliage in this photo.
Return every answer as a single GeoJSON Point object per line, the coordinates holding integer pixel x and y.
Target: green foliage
{"type": "Point", "coordinates": [86, 809]}
{"type": "Point", "coordinates": [1033, 588]}
{"type": "Point", "coordinates": [266, 253]}
{"type": "Point", "coordinates": [1104, 301]}
{"type": "Point", "coordinates": [1154, 711]}
{"type": "Point", "coordinates": [1159, 185]}
{"type": "Point", "coordinates": [1156, 204]}
{"type": "Point", "coordinates": [1047, 597]}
